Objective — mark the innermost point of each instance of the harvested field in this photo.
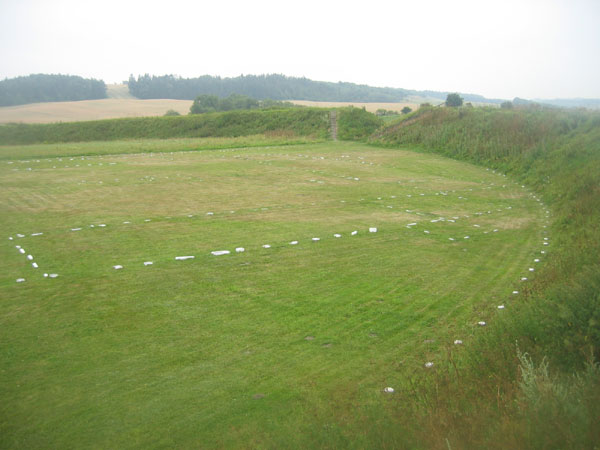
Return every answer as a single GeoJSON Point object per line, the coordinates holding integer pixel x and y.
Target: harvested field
{"type": "Point", "coordinates": [108, 108]}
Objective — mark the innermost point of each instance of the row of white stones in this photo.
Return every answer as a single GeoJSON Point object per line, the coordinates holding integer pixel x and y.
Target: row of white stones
{"type": "Point", "coordinates": [34, 264]}
{"type": "Point", "coordinates": [481, 323]}
{"type": "Point", "coordinates": [243, 249]}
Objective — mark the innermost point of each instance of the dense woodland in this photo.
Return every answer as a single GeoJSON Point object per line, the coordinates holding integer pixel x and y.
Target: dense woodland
{"type": "Point", "coordinates": [273, 86]}
{"type": "Point", "coordinates": [49, 88]}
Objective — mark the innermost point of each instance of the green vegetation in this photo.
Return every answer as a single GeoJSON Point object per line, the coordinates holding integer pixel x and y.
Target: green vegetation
{"type": "Point", "coordinates": [292, 346]}
{"type": "Point", "coordinates": [454, 100]}
{"type": "Point", "coordinates": [49, 88]}
{"type": "Point", "coordinates": [356, 123]}
{"type": "Point", "coordinates": [212, 103]}
{"type": "Point", "coordinates": [485, 399]}
{"type": "Point", "coordinates": [172, 112]}
{"type": "Point", "coordinates": [287, 347]}
{"type": "Point", "coordinates": [274, 86]}
{"type": "Point", "coordinates": [312, 122]}
{"type": "Point", "coordinates": [124, 147]}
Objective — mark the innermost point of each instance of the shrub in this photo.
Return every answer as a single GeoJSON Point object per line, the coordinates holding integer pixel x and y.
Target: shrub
{"type": "Point", "coordinates": [454, 100]}
{"type": "Point", "coordinates": [356, 123]}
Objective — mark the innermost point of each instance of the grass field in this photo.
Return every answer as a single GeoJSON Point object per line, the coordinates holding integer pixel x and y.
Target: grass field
{"type": "Point", "coordinates": [288, 346]}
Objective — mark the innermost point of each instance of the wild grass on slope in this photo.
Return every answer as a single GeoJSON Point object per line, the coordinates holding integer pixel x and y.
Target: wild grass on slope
{"type": "Point", "coordinates": [493, 396]}
{"type": "Point", "coordinates": [297, 122]}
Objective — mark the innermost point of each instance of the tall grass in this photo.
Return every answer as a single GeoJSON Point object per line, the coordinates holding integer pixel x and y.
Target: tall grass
{"type": "Point", "coordinates": [355, 124]}
{"type": "Point", "coordinates": [312, 122]}
{"type": "Point", "coordinates": [490, 395]}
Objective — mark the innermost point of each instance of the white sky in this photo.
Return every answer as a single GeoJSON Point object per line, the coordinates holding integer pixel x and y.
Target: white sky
{"type": "Point", "coordinates": [496, 48]}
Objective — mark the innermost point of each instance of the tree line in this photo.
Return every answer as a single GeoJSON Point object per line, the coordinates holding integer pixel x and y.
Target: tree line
{"type": "Point", "coordinates": [206, 103]}
{"type": "Point", "coordinates": [49, 88]}
{"type": "Point", "coordinates": [277, 87]}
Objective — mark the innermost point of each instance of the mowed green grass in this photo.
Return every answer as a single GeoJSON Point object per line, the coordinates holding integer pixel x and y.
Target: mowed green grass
{"type": "Point", "coordinates": [289, 346]}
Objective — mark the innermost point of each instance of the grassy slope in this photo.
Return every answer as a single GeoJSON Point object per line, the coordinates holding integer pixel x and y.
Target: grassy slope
{"type": "Point", "coordinates": [175, 353]}
{"type": "Point", "coordinates": [494, 399]}
{"type": "Point", "coordinates": [301, 122]}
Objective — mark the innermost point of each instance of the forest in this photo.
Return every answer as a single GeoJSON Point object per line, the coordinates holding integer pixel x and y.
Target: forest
{"type": "Point", "coordinates": [273, 86]}
{"type": "Point", "coordinates": [37, 88]}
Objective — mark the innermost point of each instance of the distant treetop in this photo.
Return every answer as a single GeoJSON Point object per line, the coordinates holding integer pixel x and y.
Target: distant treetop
{"type": "Point", "coordinates": [454, 100]}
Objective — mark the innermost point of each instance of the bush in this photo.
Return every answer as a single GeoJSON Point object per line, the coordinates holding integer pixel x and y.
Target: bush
{"type": "Point", "coordinates": [454, 100]}
{"type": "Point", "coordinates": [356, 123]}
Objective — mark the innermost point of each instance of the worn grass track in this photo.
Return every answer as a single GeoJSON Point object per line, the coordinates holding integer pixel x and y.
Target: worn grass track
{"type": "Point", "coordinates": [288, 346]}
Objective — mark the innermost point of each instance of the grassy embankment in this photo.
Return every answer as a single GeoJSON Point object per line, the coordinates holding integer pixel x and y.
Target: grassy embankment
{"type": "Point", "coordinates": [311, 122]}
{"type": "Point", "coordinates": [236, 129]}
{"type": "Point", "coordinates": [533, 379]}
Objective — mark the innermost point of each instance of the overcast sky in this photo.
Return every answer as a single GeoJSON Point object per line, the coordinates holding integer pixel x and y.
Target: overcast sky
{"type": "Point", "coordinates": [497, 48]}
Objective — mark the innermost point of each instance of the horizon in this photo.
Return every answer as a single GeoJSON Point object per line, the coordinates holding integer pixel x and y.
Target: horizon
{"type": "Point", "coordinates": [124, 83]}
{"type": "Point", "coordinates": [500, 50]}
